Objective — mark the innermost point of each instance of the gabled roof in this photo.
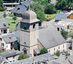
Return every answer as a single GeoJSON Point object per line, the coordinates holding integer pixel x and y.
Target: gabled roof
{"type": "Point", "coordinates": [60, 16]}
{"type": "Point", "coordinates": [3, 24]}
{"type": "Point", "coordinates": [21, 8]}
{"type": "Point", "coordinates": [50, 37]}
{"type": "Point", "coordinates": [9, 38]}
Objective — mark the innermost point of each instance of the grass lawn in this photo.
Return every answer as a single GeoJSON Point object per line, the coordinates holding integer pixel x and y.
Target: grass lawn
{"type": "Point", "coordinates": [49, 15]}
{"type": "Point", "coordinates": [12, 25]}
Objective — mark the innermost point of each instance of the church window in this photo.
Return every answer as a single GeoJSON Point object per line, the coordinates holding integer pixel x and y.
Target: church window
{"type": "Point", "coordinates": [63, 46]}
{"type": "Point", "coordinates": [24, 42]}
{"type": "Point", "coordinates": [58, 29]}
{"type": "Point", "coordinates": [34, 26]}
{"type": "Point", "coordinates": [54, 49]}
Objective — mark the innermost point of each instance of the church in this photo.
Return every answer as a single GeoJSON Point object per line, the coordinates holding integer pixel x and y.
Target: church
{"type": "Point", "coordinates": [34, 37]}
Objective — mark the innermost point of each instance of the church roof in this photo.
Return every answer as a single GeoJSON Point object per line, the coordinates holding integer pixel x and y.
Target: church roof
{"type": "Point", "coordinates": [29, 17]}
{"type": "Point", "coordinates": [50, 37]}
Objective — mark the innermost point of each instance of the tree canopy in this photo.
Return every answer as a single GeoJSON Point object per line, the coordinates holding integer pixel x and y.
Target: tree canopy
{"type": "Point", "coordinates": [50, 9]}
{"type": "Point", "coordinates": [1, 5]}
{"type": "Point", "coordinates": [40, 15]}
{"type": "Point", "coordinates": [63, 4]}
{"type": "Point", "coordinates": [64, 34]}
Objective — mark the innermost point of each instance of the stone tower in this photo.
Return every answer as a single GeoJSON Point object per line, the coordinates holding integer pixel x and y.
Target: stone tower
{"type": "Point", "coordinates": [29, 32]}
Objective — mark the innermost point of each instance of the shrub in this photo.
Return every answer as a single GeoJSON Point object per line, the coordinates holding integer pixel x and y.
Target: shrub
{"type": "Point", "coordinates": [57, 53]}
{"type": "Point", "coordinates": [23, 56]}
{"type": "Point", "coordinates": [4, 15]}
{"type": "Point", "coordinates": [16, 47]}
{"type": "Point", "coordinates": [12, 15]}
{"type": "Point", "coordinates": [43, 51]}
{"type": "Point", "coordinates": [67, 54]}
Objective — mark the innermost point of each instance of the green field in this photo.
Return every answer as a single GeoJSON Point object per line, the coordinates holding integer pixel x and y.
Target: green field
{"type": "Point", "coordinates": [12, 25]}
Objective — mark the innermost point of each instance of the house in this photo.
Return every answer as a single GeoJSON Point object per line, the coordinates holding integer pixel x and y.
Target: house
{"type": "Point", "coordinates": [60, 17]}
{"type": "Point", "coordinates": [33, 38]}
{"type": "Point", "coordinates": [7, 41]}
{"type": "Point", "coordinates": [4, 27]}
{"type": "Point", "coordinates": [63, 24]}
{"type": "Point", "coordinates": [10, 56]}
{"type": "Point", "coordinates": [21, 8]}
{"type": "Point", "coordinates": [35, 60]}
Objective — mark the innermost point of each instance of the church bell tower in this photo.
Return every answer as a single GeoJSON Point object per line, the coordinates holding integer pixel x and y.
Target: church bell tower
{"type": "Point", "coordinates": [29, 32]}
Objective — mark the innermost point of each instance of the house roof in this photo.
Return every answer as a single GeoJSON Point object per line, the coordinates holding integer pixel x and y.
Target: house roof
{"type": "Point", "coordinates": [60, 16]}
{"type": "Point", "coordinates": [50, 37]}
{"type": "Point", "coordinates": [39, 58]}
{"type": "Point", "coordinates": [8, 38]}
{"type": "Point", "coordinates": [9, 54]}
{"type": "Point", "coordinates": [37, 50]}
{"type": "Point", "coordinates": [3, 24]}
{"type": "Point", "coordinates": [21, 8]}
{"type": "Point", "coordinates": [1, 59]}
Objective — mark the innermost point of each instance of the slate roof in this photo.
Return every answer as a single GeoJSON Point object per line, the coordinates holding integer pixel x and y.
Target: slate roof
{"type": "Point", "coordinates": [9, 54]}
{"type": "Point", "coordinates": [37, 50]}
{"type": "Point", "coordinates": [60, 16]}
{"type": "Point", "coordinates": [17, 34]}
{"type": "Point", "coordinates": [1, 59]}
{"type": "Point", "coordinates": [21, 8]}
{"type": "Point", "coordinates": [8, 38]}
{"type": "Point", "coordinates": [50, 37]}
{"type": "Point", "coordinates": [2, 23]}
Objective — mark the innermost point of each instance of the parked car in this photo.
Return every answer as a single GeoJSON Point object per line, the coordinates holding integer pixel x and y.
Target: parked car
{"type": "Point", "coordinates": [66, 11]}
{"type": "Point", "coordinates": [64, 52]}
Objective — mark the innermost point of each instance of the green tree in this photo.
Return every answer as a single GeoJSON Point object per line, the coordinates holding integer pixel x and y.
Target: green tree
{"type": "Point", "coordinates": [1, 5]}
{"type": "Point", "coordinates": [63, 4]}
{"type": "Point", "coordinates": [43, 51]}
{"type": "Point", "coordinates": [40, 15]}
{"type": "Point", "coordinates": [57, 53]}
{"type": "Point", "coordinates": [14, 18]}
{"type": "Point", "coordinates": [36, 7]}
{"type": "Point", "coordinates": [50, 9]}
{"type": "Point", "coordinates": [16, 47]}
{"type": "Point", "coordinates": [64, 34]}
{"type": "Point", "coordinates": [22, 56]}
{"type": "Point", "coordinates": [4, 15]}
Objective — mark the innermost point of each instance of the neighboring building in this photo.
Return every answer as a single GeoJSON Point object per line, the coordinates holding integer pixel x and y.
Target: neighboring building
{"type": "Point", "coordinates": [10, 56]}
{"type": "Point", "coordinates": [8, 41]}
{"type": "Point", "coordinates": [2, 60]}
{"type": "Point", "coordinates": [63, 24]}
{"type": "Point", "coordinates": [4, 28]}
{"type": "Point", "coordinates": [21, 8]}
{"type": "Point", "coordinates": [36, 60]}
{"type": "Point", "coordinates": [60, 17]}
